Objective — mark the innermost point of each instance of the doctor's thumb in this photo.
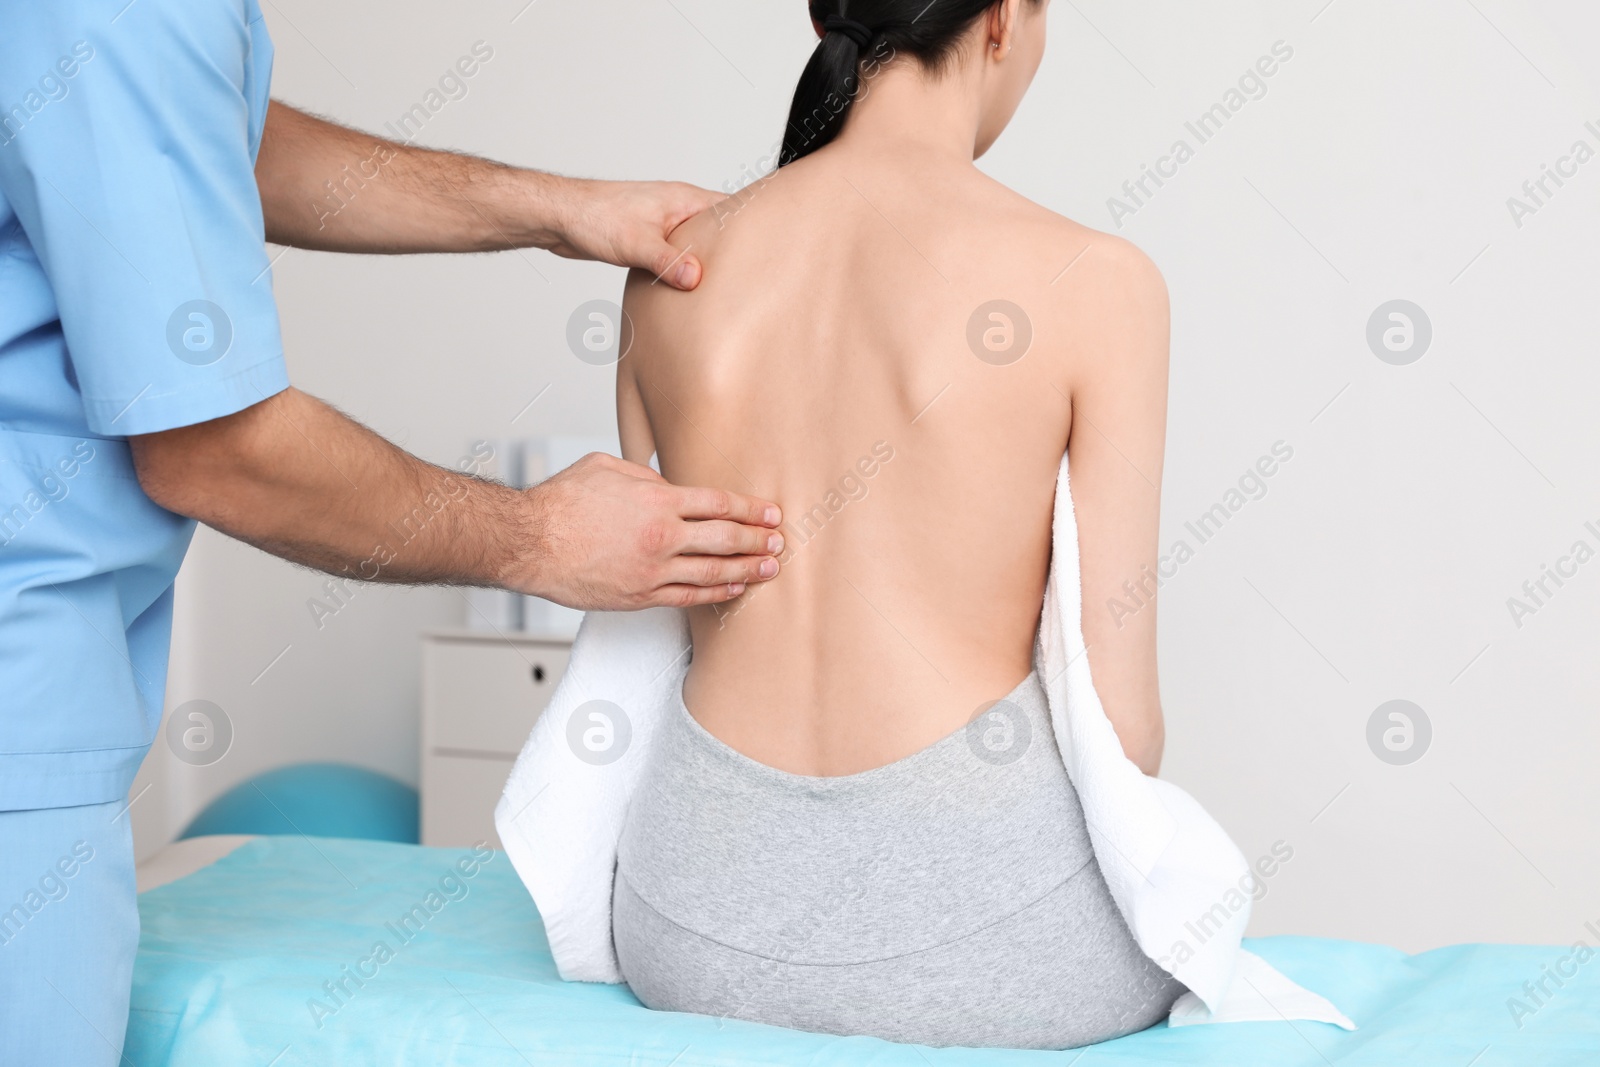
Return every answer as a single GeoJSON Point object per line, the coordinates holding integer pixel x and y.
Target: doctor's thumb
{"type": "Point", "coordinates": [676, 268]}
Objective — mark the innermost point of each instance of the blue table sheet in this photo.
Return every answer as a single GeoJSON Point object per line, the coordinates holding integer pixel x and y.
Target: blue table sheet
{"type": "Point", "coordinates": [272, 956]}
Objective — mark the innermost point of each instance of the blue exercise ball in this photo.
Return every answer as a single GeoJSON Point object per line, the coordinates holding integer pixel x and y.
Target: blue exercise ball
{"type": "Point", "coordinates": [317, 800]}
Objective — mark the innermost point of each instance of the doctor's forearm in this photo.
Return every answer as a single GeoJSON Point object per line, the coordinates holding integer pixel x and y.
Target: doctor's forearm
{"type": "Point", "coordinates": [296, 478]}
{"type": "Point", "coordinates": [327, 187]}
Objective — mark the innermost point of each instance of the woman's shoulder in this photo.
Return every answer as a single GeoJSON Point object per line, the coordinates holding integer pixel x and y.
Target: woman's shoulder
{"type": "Point", "coordinates": [1029, 228]}
{"type": "Point", "coordinates": [971, 223]}
{"type": "Point", "coordinates": [1099, 297]}
{"type": "Point", "coordinates": [771, 198]}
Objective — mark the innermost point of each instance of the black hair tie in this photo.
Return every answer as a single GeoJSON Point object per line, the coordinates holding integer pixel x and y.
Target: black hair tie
{"type": "Point", "coordinates": [858, 32]}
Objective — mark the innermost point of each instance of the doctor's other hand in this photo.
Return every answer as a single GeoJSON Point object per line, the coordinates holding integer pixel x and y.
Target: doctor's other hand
{"type": "Point", "coordinates": [609, 535]}
{"type": "Point", "coordinates": [627, 223]}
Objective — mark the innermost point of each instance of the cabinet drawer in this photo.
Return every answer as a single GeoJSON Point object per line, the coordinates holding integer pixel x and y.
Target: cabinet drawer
{"type": "Point", "coordinates": [458, 799]}
{"type": "Point", "coordinates": [481, 697]}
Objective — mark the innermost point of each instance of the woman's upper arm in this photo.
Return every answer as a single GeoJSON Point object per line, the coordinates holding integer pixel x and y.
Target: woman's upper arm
{"type": "Point", "coordinates": [633, 423]}
{"type": "Point", "coordinates": [1117, 440]}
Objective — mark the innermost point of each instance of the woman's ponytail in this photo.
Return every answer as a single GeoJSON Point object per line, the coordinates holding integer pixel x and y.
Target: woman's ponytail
{"type": "Point", "coordinates": [874, 32]}
{"type": "Point", "coordinates": [827, 88]}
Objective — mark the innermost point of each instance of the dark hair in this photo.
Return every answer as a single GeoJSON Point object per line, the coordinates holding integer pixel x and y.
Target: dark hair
{"type": "Point", "coordinates": [871, 31]}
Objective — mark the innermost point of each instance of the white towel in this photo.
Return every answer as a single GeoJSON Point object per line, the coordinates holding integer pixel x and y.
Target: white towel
{"type": "Point", "coordinates": [1178, 879]}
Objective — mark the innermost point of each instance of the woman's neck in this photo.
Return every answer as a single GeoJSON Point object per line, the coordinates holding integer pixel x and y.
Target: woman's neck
{"type": "Point", "coordinates": [901, 108]}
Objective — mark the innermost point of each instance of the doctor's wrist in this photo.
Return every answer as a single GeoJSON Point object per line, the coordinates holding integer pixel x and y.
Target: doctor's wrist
{"type": "Point", "coordinates": [521, 563]}
{"type": "Point", "coordinates": [540, 210]}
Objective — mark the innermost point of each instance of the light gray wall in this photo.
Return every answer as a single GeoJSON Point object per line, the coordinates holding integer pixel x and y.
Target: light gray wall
{"type": "Point", "coordinates": [1379, 562]}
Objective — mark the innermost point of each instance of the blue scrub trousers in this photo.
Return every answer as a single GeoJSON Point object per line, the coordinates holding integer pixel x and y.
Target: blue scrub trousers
{"type": "Point", "coordinates": [69, 928]}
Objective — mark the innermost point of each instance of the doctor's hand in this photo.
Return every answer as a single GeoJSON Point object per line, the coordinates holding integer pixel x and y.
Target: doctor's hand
{"type": "Point", "coordinates": [609, 535]}
{"type": "Point", "coordinates": [627, 223]}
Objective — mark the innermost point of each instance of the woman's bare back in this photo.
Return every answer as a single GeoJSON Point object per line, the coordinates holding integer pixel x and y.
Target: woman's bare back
{"type": "Point", "coordinates": [896, 348]}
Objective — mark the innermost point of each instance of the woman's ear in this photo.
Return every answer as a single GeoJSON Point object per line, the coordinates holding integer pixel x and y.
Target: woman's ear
{"type": "Point", "coordinates": [1002, 27]}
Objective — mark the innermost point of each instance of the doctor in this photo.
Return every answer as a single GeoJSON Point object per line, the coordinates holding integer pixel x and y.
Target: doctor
{"type": "Point", "coordinates": [142, 388]}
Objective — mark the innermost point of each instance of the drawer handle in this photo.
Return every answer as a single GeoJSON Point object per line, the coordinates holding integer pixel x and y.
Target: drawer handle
{"type": "Point", "coordinates": [538, 673]}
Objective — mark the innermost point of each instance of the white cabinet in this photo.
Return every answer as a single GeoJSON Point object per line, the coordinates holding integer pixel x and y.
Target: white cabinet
{"type": "Point", "coordinates": [480, 696]}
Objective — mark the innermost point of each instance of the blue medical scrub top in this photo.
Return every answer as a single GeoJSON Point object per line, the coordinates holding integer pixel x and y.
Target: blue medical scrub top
{"type": "Point", "coordinates": [135, 296]}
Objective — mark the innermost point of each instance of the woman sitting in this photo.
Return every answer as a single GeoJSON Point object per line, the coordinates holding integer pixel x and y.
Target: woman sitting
{"type": "Point", "coordinates": [898, 350]}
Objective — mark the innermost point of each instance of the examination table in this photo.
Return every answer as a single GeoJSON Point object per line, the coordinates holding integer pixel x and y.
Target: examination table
{"type": "Point", "coordinates": [289, 951]}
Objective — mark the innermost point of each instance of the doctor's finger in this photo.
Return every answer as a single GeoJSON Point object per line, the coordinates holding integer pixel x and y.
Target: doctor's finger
{"type": "Point", "coordinates": [708, 571]}
{"type": "Point", "coordinates": [718, 537]}
{"type": "Point", "coordinates": [693, 503]}
{"type": "Point", "coordinates": [689, 596]}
